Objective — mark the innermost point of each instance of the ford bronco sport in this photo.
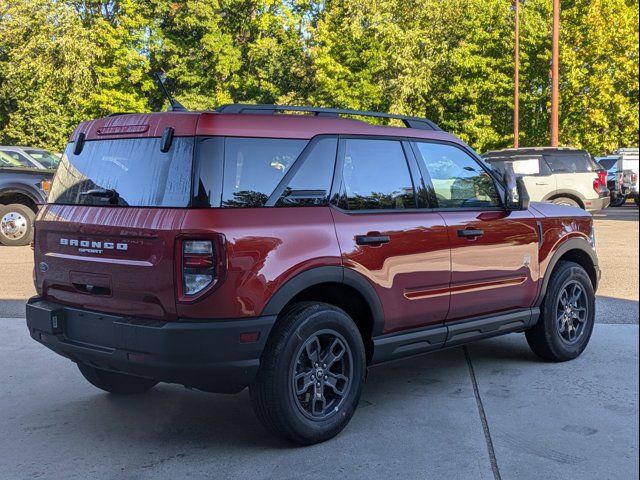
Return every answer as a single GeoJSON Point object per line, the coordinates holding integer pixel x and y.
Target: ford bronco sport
{"type": "Point", "coordinates": [564, 176]}
{"type": "Point", "coordinates": [289, 252]}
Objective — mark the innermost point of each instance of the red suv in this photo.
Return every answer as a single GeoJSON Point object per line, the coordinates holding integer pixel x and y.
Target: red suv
{"type": "Point", "coordinates": [290, 252]}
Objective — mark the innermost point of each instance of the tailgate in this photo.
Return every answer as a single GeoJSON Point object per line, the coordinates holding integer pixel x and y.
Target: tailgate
{"type": "Point", "coordinates": [116, 259]}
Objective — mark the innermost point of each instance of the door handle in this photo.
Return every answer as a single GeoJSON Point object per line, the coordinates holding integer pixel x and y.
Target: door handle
{"type": "Point", "coordinates": [470, 233]}
{"type": "Point", "coordinates": [372, 240]}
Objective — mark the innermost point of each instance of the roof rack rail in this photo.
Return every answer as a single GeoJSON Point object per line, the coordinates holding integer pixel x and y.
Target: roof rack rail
{"type": "Point", "coordinates": [267, 109]}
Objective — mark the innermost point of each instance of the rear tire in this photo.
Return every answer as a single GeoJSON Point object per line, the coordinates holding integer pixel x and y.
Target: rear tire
{"type": "Point", "coordinates": [311, 374]}
{"type": "Point", "coordinates": [567, 315]}
{"type": "Point", "coordinates": [617, 201]}
{"type": "Point", "coordinates": [566, 201]}
{"type": "Point", "coordinates": [113, 382]}
{"type": "Point", "coordinates": [16, 225]}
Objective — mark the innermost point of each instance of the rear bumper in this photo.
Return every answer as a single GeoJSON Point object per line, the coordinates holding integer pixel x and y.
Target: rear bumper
{"type": "Point", "coordinates": [597, 204]}
{"type": "Point", "coordinates": [206, 355]}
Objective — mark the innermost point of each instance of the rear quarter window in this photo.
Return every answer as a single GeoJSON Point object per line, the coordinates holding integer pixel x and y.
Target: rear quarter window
{"type": "Point", "coordinates": [253, 167]}
{"type": "Point", "coordinates": [237, 172]}
{"type": "Point", "coordinates": [574, 162]}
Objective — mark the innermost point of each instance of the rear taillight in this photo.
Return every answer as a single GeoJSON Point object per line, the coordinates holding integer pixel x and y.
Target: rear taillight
{"type": "Point", "coordinates": [200, 264]}
{"type": "Point", "coordinates": [634, 178]}
{"type": "Point", "coordinates": [597, 186]}
{"type": "Point", "coordinates": [600, 183]}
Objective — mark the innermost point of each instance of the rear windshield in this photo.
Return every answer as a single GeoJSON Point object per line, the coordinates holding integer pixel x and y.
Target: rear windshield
{"type": "Point", "coordinates": [125, 172]}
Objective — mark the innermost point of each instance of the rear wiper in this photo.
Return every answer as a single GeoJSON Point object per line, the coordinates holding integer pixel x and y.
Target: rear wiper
{"type": "Point", "coordinates": [105, 194]}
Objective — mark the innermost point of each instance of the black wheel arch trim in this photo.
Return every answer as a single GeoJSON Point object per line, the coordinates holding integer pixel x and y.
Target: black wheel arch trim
{"type": "Point", "coordinates": [328, 274]}
{"type": "Point", "coordinates": [568, 245]}
{"type": "Point", "coordinates": [563, 192]}
{"type": "Point", "coordinates": [18, 189]}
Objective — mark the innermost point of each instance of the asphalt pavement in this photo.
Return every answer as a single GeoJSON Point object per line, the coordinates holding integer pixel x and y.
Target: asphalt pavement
{"type": "Point", "coordinates": [491, 410]}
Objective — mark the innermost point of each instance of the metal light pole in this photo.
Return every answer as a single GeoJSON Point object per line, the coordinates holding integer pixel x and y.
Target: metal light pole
{"type": "Point", "coordinates": [516, 92]}
{"type": "Point", "coordinates": [555, 73]}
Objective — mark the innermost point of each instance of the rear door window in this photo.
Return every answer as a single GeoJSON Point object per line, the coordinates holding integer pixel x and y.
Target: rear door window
{"type": "Point", "coordinates": [125, 172]}
{"type": "Point", "coordinates": [253, 167]}
{"type": "Point", "coordinates": [520, 165]}
{"type": "Point", "coordinates": [376, 176]}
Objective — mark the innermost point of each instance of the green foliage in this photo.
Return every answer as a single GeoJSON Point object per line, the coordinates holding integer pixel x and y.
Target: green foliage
{"type": "Point", "coordinates": [62, 61]}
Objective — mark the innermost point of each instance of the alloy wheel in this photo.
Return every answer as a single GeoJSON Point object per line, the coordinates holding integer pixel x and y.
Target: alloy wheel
{"type": "Point", "coordinates": [322, 374]}
{"type": "Point", "coordinates": [572, 312]}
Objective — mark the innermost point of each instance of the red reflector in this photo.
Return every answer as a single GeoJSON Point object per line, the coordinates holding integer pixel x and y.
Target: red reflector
{"type": "Point", "coordinates": [249, 337]}
{"type": "Point", "coordinates": [135, 357]}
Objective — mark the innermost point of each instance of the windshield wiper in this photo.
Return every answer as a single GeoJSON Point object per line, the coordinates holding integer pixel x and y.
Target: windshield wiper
{"type": "Point", "coordinates": [104, 194]}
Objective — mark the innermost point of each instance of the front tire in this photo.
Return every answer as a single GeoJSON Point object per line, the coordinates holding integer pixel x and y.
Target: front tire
{"type": "Point", "coordinates": [567, 315]}
{"type": "Point", "coordinates": [311, 374]}
{"type": "Point", "coordinates": [113, 382]}
{"type": "Point", "coordinates": [16, 225]}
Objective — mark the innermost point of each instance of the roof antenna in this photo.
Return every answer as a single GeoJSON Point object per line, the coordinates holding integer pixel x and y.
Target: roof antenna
{"type": "Point", "coordinates": [174, 105]}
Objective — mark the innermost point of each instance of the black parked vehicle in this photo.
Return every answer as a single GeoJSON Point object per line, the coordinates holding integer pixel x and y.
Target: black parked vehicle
{"type": "Point", "coordinates": [620, 182]}
{"type": "Point", "coordinates": [22, 190]}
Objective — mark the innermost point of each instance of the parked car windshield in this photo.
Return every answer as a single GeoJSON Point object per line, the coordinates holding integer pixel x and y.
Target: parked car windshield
{"type": "Point", "coordinates": [125, 172]}
{"type": "Point", "coordinates": [47, 159]}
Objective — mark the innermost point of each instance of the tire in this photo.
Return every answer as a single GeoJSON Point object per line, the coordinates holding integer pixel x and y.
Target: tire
{"type": "Point", "coordinates": [566, 201]}
{"type": "Point", "coordinates": [287, 366]}
{"type": "Point", "coordinates": [617, 201]}
{"type": "Point", "coordinates": [16, 225]}
{"type": "Point", "coordinates": [113, 382]}
{"type": "Point", "coordinates": [550, 338]}
{"type": "Point", "coordinates": [636, 199]}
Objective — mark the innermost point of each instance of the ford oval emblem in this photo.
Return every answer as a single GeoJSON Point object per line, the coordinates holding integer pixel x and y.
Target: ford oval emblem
{"type": "Point", "coordinates": [43, 266]}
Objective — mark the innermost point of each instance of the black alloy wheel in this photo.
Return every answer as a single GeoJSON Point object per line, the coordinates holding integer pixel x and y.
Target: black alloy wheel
{"type": "Point", "coordinates": [322, 374]}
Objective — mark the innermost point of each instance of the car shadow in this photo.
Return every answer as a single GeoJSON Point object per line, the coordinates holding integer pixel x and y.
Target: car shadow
{"type": "Point", "coordinates": [12, 308]}
{"type": "Point", "coordinates": [627, 213]}
{"type": "Point", "coordinates": [181, 418]}
{"type": "Point", "coordinates": [616, 310]}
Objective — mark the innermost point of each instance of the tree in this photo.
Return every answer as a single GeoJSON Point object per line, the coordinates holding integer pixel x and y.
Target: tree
{"type": "Point", "coordinates": [62, 61]}
{"type": "Point", "coordinates": [599, 102]}
{"type": "Point", "coordinates": [45, 72]}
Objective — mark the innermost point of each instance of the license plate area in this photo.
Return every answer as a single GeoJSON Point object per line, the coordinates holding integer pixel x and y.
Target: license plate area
{"type": "Point", "coordinates": [89, 328]}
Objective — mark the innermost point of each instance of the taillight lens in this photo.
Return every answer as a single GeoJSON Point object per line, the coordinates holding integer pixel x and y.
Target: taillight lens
{"type": "Point", "coordinates": [634, 178]}
{"type": "Point", "coordinates": [596, 186]}
{"type": "Point", "coordinates": [198, 266]}
{"type": "Point", "coordinates": [602, 177]}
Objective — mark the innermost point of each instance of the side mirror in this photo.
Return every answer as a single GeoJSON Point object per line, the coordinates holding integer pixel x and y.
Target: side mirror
{"type": "Point", "coordinates": [516, 196]}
